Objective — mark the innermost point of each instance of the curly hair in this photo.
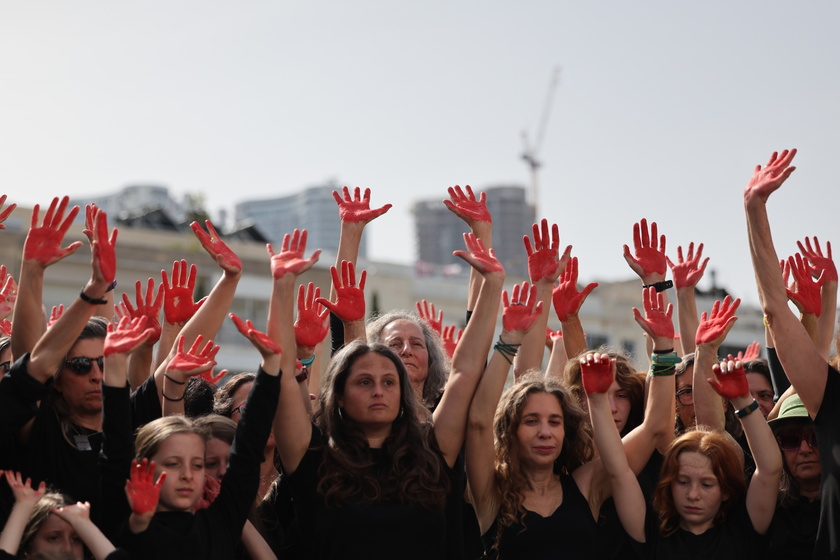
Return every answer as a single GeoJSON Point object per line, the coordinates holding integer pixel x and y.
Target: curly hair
{"type": "Point", "coordinates": [414, 471]}
{"type": "Point", "coordinates": [725, 466]}
{"type": "Point", "coordinates": [577, 443]}
{"type": "Point", "coordinates": [626, 377]}
{"type": "Point", "coordinates": [438, 362]}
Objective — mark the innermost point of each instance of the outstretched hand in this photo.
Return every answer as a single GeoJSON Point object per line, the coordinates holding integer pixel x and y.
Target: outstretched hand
{"type": "Point", "coordinates": [218, 249]}
{"type": "Point", "coordinates": [22, 489]}
{"type": "Point", "coordinates": [688, 271]}
{"type": "Point", "coordinates": [451, 335]}
{"type": "Point", "coordinates": [178, 304]}
{"type": "Point", "coordinates": [350, 298]}
{"type": "Point", "coordinates": [544, 260]}
{"type": "Point", "coordinates": [290, 258]}
{"type": "Point", "coordinates": [521, 311]}
{"type": "Point", "coordinates": [804, 292]}
{"type": "Point", "coordinates": [196, 360]}
{"type": "Point", "coordinates": [55, 314]}
{"type": "Point", "coordinates": [357, 208]}
{"type": "Point", "coordinates": [819, 264]}
{"type": "Point", "coordinates": [648, 256]}
{"type": "Point", "coordinates": [714, 327]}
{"type": "Point", "coordinates": [43, 242]}
{"type": "Point", "coordinates": [479, 257]}
{"type": "Point", "coordinates": [5, 212]}
{"type": "Point", "coordinates": [426, 311]}
{"type": "Point", "coordinates": [566, 298]}
{"type": "Point", "coordinates": [104, 258]}
{"type": "Point", "coordinates": [766, 180]}
{"type": "Point", "coordinates": [313, 322]}
{"type": "Point", "coordinates": [597, 371]}
{"type": "Point", "coordinates": [466, 207]}
{"type": "Point", "coordinates": [148, 306]}
{"type": "Point", "coordinates": [126, 336]}
{"type": "Point", "coordinates": [8, 294]}
{"type": "Point", "coordinates": [141, 489]}
{"type": "Point", "coordinates": [657, 321]}
{"type": "Point", "coordinates": [261, 341]}
{"type": "Point", "coordinates": [751, 353]}
{"type": "Point", "coordinates": [730, 380]}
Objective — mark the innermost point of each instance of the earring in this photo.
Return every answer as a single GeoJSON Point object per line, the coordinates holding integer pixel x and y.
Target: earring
{"type": "Point", "coordinates": [341, 414]}
{"type": "Point", "coordinates": [401, 413]}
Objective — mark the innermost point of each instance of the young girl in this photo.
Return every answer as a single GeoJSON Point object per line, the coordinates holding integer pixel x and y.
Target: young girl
{"type": "Point", "coordinates": [702, 508]}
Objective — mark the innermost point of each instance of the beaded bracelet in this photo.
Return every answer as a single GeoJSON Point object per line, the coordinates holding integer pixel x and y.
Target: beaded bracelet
{"type": "Point", "coordinates": [508, 351]}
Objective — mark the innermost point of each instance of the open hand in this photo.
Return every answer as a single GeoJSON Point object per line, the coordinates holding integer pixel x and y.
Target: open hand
{"type": "Point", "coordinates": [141, 490]}
{"type": "Point", "coordinates": [478, 256]}
{"type": "Point", "coordinates": [148, 306]}
{"type": "Point", "coordinates": [658, 320]}
{"type": "Point", "coordinates": [43, 242]}
{"type": "Point", "coordinates": [566, 298]}
{"type": "Point", "coordinates": [5, 213]}
{"type": "Point", "coordinates": [688, 271]}
{"type": "Point", "coordinates": [357, 208]}
{"type": "Point", "coordinates": [313, 322]}
{"type": "Point", "coordinates": [544, 261]}
{"type": "Point", "coordinates": [22, 489]}
{"type": "Point", "coordinates": [126, 336]}
{"type": "Point", "coordinates": [178, 304]}
{"type": "Point", "coordinates": [451, 335]}
{"type": "Point", "coordinates": [765, 181]}
{"type": "Point", "coordinates": [261, 341]}
{"type": "Point", "coordinates": [195, 361]}
{"type": "Point", "coordinates": [350, 298]}
{"type": "Point", "coordinates": [648, 257]}
{"type": "Point", "coordinates": [466, 207]}
{"type": "Point", "coordinates": [521, 311]}
{"type": "Point", "coordinates": [597, 371]}
{"type": "Point", "coordinates": [804, 292]}
{"type": "Point", "coordinates": [426, 311]}
{"type": "Point", "coordinates": [714, 327]}
{"type": "Point", "coordinates": [8, 294]}
{"type": "Point", "coordinates": [290, 258]}
{"type": "Point", "coordinates": [218, 249]}
{"type": "Point", "coordinates": [730, 381]}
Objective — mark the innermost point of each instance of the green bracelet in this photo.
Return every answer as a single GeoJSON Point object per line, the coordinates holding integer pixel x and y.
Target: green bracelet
{"type": "Point", "coordinates": [662, 371]}
{"type": "Point", "coordinates": [662, 359]}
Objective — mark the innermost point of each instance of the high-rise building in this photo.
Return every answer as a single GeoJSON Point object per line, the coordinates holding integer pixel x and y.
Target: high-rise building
{"type": "Point", "coordinates": [313, 209]}
{"type": "Point", "coordinates": [439, 231]}
{"type": "Point", "coordinates": [134, 199]}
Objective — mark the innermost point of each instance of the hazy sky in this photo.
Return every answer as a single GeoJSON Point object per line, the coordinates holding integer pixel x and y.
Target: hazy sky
{"type": "Point", "coordinates": [662, 110]}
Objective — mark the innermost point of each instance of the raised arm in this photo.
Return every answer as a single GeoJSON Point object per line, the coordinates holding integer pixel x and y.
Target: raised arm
{"type": "Point", "coordinates": [474, 212]}
{"type": "Point", "coordinates": [648, 258]}
{"type": "Point", "coordinates": [292, 427]}
{"type": "Point", "coordinates": [41, 249]}
{"type": "Point", "coordinates": [349, 304]}
{"type": "Point", "coordinates": [519, 315]}
{"type": "Point", "coordinates": [710, 335]}
{"type": "Point", "coordinates": [311, 328]}
{"type": "Point", "coordinates": [730, 382]}
{"type": "Point", "coordinates": [567, 302]}
{"type": "Point", "coordinates": [597, 373]}
{"type": "Point", "coordinates": [450, 416]}
{"type": "Point", "coordinates": [148, 306]}
{"type": "Point", "coordinates": [544, 267]}
{"type": "Point", "coordinates": [805, 367]}
{"type": "Point", "coordinates": [26, 498]}
{"type": "Point", "coordinates": [687, 272]}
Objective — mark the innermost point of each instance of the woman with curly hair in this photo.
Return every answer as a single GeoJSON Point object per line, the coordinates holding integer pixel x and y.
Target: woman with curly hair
{"type": "Point", "coordinates": [369, 477]}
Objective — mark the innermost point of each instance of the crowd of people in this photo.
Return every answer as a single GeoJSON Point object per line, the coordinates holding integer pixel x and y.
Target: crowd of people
{"type": "Point", "coordinates": [420, 440]}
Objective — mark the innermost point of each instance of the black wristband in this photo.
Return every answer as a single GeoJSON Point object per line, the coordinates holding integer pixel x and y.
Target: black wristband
{"type": "Point", "coordinates": [175, 381]}
{"type": "Point", "coordinates": [663, 351]}
{"type": "Point", "coordinates": [747, 410]}
{"type": "Point", "coordinates": [660, 286]}
{"type": "Point", "coordinates": [93, 301]}
{"type": "Point", "coordinates": [172, 400]}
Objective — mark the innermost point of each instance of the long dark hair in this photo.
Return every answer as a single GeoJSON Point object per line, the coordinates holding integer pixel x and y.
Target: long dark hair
{"type": "Point", "coordinates": [414, 468]}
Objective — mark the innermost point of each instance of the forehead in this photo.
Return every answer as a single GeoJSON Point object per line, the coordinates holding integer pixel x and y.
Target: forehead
{"type": "Point", "coordinates": [90, 347]}
{"type": "Point", "coordinates": [181, 445]}
{"type": "Point", "coordinates": [242, 392]}
{"type": "Point", "coordinates": [54, 523]}
{"type": "Point", "coordinates": [402, 328]}
{"type": "Point", "coordinates": [684, 380]}
{"type": "Point", "coordinates": [694, 463]}
{"type": "Point", "coordinates": [372, 364]}
{"type": "Point", "coordinates": [544, 404]}
{"type": "Point", "coordinates": [215, 446]}
{"type": "Point", "coordinates": [758, 381]}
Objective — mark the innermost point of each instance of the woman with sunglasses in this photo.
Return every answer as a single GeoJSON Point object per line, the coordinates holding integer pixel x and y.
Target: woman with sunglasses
{"type": "Point", "coordinates": [797, 517]}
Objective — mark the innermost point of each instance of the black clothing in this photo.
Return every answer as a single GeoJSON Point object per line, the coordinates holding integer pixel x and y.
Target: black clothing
{"type": "Point", "coordinates": [794, 530]}
{"type": "Point", "coordinates": [827, 428]}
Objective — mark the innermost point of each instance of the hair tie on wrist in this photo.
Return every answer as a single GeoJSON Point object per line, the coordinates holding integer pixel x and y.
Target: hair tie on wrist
{"type": "Point", "coordinates": [172, 400]}
{"type": "Point", "coordinates": [308, 361]}
{"type": "Point", "coordinates": [175, 381]}
{"type": "Point", "coordinates": [111, 286]}
{"type": "Point", "coordinates": [93, 301]}
{"type": "Point", "coordinates": [508, 351]}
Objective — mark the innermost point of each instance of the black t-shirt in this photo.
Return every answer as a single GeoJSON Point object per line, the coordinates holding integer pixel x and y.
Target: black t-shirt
{"type": "Point", "coordinates": [794, 530]}
{"type": "Point", "coordinates": [358, 529]}
{"type": "Point", "coordinates": [569, 532]}
{"type": "Point", "coordinates": [827, 428]}
{"type": "Point", "coordinates": [734, 538]}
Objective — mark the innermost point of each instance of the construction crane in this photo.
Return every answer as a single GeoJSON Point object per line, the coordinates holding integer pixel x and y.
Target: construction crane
{"type": "Point", "coordinates": [532, 150]}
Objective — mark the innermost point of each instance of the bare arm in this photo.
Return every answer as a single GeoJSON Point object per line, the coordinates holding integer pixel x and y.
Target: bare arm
{"type": "Point", "coordinates": [687, 272]}
{"type": "Point", "coordinates": [711, 333]}
{"type": "Point", "coordinates": [567, 302]}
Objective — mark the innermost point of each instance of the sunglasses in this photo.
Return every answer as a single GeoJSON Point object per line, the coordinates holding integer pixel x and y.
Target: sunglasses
{"type": "Point", "coordinates": [81, 365]}
{"type": "Point", "coordinates": [792, 442]}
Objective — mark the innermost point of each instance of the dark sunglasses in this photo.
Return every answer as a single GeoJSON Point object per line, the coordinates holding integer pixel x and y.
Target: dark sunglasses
{"type": "Point", "coordinates": [80, 365]}
{"type": "Point", "coordinates": [6, 366]}
{"type": "Point", "coordinates": [791, 442]}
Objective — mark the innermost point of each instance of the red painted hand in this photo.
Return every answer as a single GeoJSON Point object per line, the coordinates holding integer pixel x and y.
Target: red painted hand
{"type": "Point", "coordinates": [104, 248]}
{"type": "Point", "coordinates": [148, 307]}
{"type": "Point", "coordinates": [22, 489]}
{"type": "Point", "coordinates": [544, 260]}
{"type": "Point", "coordinates": [426, 311]}
{"type": "Point", "coordinates": [451, 335]}
{"type": "Point", "coordinates": [730, 381]}
{"type": "Point", "coordinates": [6, 327]}
{"type": "Point", "coordinates": [5, 213]}
{"type": "Point", "coordinates": [688, 271]}
{"type": "Point", "coordinates": [357, 208]}
{"type": "Point", "coordinates": [212, 487]}
{"type": "Point", "coordinates": [481, 259]}
{"type": "Point", "coordinates": [261, 341]}
{"type": "Point", "coordinates": [8, 295]}
{"type": "Point", "coordinates": [178, 304]}
{"type": "Point", "coordinates": [290, 258]}
{"type": "Point", "coordinates": [648, 257]}
{"type": "Point", "coordinates": [597, 371]}
{"type": "Point", "coordinates": [658, 320]}
{"type": "Point", "coordinates": [804, 292]}
{"type": "Point", "coordinates": [43, 243]}
{"type": "Point", "coordinates": [218, 249]}
{"type": "Point", "coordinates": [765, 181]}
{"type": "Point", "coordinates": [55, 314]}
{"type": "Point", "coordinates": [195, 361]}
{"type": "Point", "coordinates": [565, 297]}
{"type": "Point", "coordinates": [313, 321]}
{"type": "Point", "coordinates": [819, 262]}
{"type": "Point", "coordinates": [521, 310]}
{"type": "Point", "coordinates": [142, 491]}
{"type": "Point", "coordinates": [350, 299]}
{"type": "Point", "coordinates": [752, 352]}
{"type": "Point", "coordinates": [466, 207]}
{"type": "Point", "coordinates": [714, 327]}
{"type": "Point", "coordinates": [126, 336]}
